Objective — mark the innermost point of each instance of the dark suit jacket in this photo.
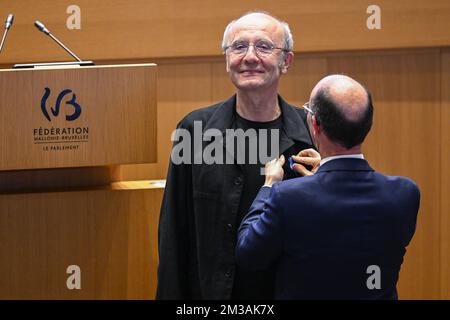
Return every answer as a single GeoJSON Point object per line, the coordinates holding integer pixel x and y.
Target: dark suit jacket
{"type": "Point", "coordinates": [324, 232]}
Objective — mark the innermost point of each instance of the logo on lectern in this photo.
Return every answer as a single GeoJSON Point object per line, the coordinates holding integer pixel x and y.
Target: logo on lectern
{"type": "Point", "coordinates": [68, 136]}
{"type": "Point", "coordinates": [55, 110]}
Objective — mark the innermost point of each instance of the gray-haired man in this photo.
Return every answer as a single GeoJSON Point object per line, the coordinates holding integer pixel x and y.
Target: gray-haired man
{"type": "Point", "coordinates": [204, 203]}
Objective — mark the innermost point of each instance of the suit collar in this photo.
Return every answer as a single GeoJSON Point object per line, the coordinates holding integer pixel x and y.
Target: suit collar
{"type": "Point", "coordinates": [345, 164]}
{"type": "Point", "coordinates": [293, 125]}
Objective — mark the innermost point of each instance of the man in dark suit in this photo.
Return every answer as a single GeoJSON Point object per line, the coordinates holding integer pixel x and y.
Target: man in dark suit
{"type": "Point", "coordinates": [341, 232]}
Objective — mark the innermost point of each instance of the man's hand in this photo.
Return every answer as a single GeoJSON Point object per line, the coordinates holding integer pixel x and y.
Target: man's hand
{"type": "Point", "coordinates": [274, 171]}
{"type": "Point", "coordinates": [309, 157]}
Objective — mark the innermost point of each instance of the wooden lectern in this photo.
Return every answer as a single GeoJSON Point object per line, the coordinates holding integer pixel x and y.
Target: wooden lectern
{"type": "Point", "coordinates": [69, 227]}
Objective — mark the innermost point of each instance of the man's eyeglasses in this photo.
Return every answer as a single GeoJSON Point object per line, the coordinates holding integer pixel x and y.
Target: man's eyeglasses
{"type": "Point", "coordinates": [307, 109]}
{"type": "Point", "coordinates": [262, 48]}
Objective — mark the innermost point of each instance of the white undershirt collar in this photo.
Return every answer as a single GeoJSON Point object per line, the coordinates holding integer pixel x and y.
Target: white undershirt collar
{"type": "Point", "coordinates": [346, 156]}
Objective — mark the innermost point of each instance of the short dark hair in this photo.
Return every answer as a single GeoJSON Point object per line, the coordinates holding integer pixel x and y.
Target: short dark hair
{"type": "Point", "coordinates": [337, 127]}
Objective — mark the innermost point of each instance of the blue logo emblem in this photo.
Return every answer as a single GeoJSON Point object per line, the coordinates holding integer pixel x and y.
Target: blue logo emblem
{"type": "Point", "coordinates": [55, 111]}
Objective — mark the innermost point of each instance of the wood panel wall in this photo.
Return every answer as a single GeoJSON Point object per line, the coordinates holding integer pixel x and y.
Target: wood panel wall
{"type": "Point", "coordinates": [406, 65]}
{"type": "Point", "coordinates": [403, 86]}
{"type": "Point", "coordinates": [110, 234]}
{"type": "Point", "coordinates": [445, 175]}
{"type": "Point", "coordinates": [407, 138]}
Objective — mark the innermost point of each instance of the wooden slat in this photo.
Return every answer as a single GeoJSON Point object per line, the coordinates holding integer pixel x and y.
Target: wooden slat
{"type": "Point", "coordinates": [120, 29]}
{"type": "Point", "coordinates": [56, 179]}
{"type": "Point", "coordinates": [445, 176]}
{"type": "Point", "coordinates": [138, 185]}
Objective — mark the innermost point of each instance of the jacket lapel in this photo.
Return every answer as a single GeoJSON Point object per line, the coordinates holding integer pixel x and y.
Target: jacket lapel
{"type": "Point", "coordinates": [294, 128]}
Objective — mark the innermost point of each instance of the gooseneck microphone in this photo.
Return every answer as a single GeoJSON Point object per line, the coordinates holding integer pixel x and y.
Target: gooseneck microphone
{"type": "Point", "coordinates": [9, 21]}
{"type": "Point", "coordinates": [8, 24]}
{"type": "Point", "coordinates": [42, 28]}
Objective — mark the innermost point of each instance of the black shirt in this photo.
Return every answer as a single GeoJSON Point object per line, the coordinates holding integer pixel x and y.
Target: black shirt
{"type": "Point", "coordinates": [251, 284]}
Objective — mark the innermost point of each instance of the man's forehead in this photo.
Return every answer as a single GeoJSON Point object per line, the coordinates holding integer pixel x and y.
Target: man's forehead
{"type": "Point", "coordinates": [255, 22]}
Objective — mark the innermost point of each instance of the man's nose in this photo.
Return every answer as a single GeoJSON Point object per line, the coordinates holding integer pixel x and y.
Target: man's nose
{"type": "Point", "coordinates": [251, 55]}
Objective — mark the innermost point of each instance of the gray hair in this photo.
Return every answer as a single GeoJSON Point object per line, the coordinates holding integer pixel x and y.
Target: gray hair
{"type": "Point", "coordinates": [288, 41]}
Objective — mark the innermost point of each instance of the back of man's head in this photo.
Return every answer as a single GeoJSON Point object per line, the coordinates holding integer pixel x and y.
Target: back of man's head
{"type": "Point", "coordinates": [343, 108]}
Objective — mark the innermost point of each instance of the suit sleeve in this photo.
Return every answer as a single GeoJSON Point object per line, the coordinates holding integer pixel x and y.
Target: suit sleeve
{"type": "Point", "coordinates": [412, 208]}
{"type": "Point", "coordinates": [260, 239]}
{"type": "Point", "coordinates": [174, 234]}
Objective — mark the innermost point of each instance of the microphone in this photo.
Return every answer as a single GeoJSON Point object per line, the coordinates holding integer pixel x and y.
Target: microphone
{"type": "Point", "coordinates": [8, 24]}
{"type": "Point", "coordinates": [9, 21]}
{"type": "Point", "coordinates": [41, 27]}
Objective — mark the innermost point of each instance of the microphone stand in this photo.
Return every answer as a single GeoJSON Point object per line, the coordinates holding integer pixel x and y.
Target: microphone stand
{"type": "Point", "coordinates": [64, 47]}
{"type": "Point", "coordinates": [3, 40]}
{"type": "Point", "coordinates": [79, 62]}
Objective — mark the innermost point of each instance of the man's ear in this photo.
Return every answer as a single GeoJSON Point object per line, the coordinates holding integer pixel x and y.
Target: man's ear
{"type": "Point", "coordinates": [316, 124]}
{"type": "Point", "coordinates": [227, 63]}
{"type": "Point", "coordinates": [285, 64]}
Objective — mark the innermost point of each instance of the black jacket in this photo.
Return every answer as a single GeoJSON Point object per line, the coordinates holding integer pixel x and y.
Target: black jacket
{"type": "Point", "coordinates": [197, 228]}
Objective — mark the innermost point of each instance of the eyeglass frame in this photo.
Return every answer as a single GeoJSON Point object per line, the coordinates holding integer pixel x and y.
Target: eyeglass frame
{"type": "Point", "coordinates": [307, 108]}
{"type": "Point", "coordinates": [273, 47]}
